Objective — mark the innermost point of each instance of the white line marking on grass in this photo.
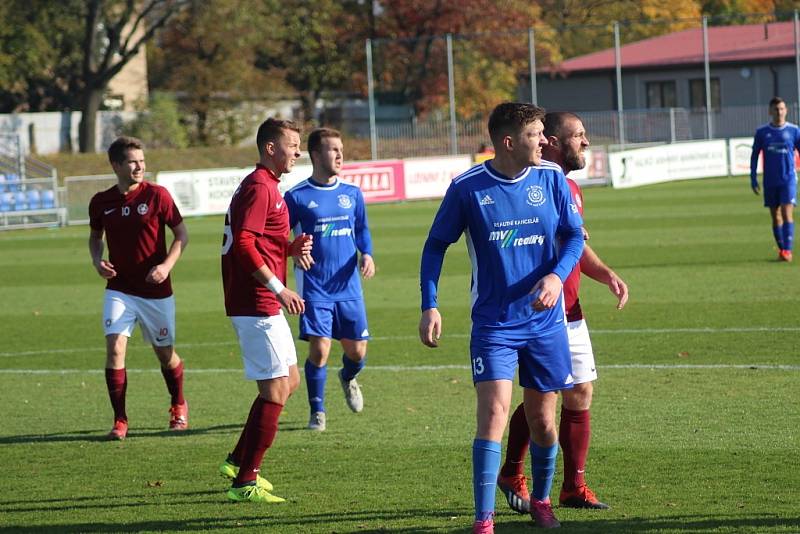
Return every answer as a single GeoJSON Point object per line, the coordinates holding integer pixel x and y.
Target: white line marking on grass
{"type": "Point", "coordinates": [408, 368]}
{"type": "Point", "coordinates": [599, 331]}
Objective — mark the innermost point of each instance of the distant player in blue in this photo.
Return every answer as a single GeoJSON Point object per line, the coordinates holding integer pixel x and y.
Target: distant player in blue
{"type": "Point", "coordinates": [333, 212]}
{"type": "Point", "coordinates": [523, 235]}
{"type": "Point", "coordinates": [778, 140]}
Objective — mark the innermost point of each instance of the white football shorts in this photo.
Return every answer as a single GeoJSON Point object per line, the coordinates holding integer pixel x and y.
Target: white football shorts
{"type": "Point", "coordinates": [267, 346]}
{"type": "Point", "coordinates": [580, 346]}
{"type": "Point", "coordinates": [121, 312]}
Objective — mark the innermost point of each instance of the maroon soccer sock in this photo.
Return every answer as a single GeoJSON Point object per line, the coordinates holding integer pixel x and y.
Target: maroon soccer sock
{"type": "Point", "coordinates": [258, 437]}
{"type": "Point", "coordinates": [236, 455]}
{"type": "Point", "coordinates": [517, 449]}
{"type": "Point", "coordinates": [117, 383]}
{"type": "Point", "coordinates": [574, 435]}
{"type": "Point", "coordinates": [174, 380]}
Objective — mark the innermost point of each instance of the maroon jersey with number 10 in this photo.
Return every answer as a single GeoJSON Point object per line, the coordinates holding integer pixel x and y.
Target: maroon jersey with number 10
{"type": "Point", "coordinates": [258, 207]}
{"type": "Point", "coordinates": [134, 225]}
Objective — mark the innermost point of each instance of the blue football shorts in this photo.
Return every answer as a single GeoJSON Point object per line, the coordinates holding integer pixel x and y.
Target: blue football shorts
{"type": "Point", "coordinates": [783, 194]}
{"type": "Point", "coordinates": [545, 362]}
{"type": "Point", "coordinates": [337, 320]}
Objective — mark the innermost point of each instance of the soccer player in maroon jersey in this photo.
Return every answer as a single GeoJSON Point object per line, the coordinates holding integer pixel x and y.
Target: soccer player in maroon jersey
{"type": "Point", "coordinates": [254, 251]}
{"type": "Point", "coordinates": [566, 143]}
{"type": "Point", "coordinates": [133, 214]}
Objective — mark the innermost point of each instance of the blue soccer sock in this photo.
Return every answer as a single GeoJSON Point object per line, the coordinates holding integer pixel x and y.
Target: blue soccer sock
{"type": "Point", "coordinates": [485, 466]}
{"type": "Point", "coordinates": [350, 368]}
{"type": "Point", "coordinates": [788, 235]}
{"type": "Point", "coordinates": [543, 465]}
{"type": "Point", "coordinates": [315, 383]}
{"type": "Point", "coordinates": [777, 232]}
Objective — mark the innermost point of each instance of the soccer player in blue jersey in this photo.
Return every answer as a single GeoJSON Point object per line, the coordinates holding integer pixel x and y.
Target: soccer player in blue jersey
{"type": "Point", "coordinates": [778, 140]}
{"type": "Point", "coordinates": [334, 213]}
{"type": "Point", "coordinates": [523, 235]}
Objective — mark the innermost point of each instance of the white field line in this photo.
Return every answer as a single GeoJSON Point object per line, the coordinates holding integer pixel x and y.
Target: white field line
{"type": "Point", "coordinates": [599, 331]}
{"type": "Point", "coordinates": [409, 368]}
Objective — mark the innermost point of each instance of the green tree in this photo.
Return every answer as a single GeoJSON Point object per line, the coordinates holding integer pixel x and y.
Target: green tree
{"type": "Point", "coordinates": [113, 33]}
{"type": "Point", "coordinates": [39, 53]}
{"type": "Point", "coordinates": [207, 54]}
{"type": "Point", "coordinates": [161, 125]}
{"type": "Point", "coordinates": [63, 54]}
{"type": "Point", "coordinates": [582, 26]}
{"type": "Point", "coordinates": [320, 45]}
{"type": "Point", "coordinates": [489, 38]}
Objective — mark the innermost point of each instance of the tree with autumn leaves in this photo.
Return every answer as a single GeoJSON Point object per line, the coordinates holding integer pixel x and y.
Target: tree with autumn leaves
{"type": "Point", "coordinates": [218, 55]}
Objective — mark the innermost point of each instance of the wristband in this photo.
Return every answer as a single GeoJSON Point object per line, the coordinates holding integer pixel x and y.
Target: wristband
{"type": "Point", "coordinates": [275, 285]}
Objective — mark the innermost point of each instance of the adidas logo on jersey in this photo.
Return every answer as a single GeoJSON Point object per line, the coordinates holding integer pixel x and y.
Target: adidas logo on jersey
{"type": "Point", "coordinates": [485, 201]}
{"type": "Point", "coordinates": [365, 333]}
{"type": "Point", "coordinates": [313, 204]}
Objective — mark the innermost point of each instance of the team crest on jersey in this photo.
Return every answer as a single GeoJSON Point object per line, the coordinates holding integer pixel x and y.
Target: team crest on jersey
{"type": "Point", "coordinates": [345, 202]}
{"type": "Point", "coordinates": [141, 209]}
{"type": "Point", "coordinates": [535, 196]}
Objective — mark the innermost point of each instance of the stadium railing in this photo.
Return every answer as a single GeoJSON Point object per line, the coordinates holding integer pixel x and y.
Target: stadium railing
{"type": "Point", "coordinates": [27, 189]}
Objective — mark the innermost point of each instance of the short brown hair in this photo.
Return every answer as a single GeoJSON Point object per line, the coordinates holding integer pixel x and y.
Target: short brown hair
{"type": "Point", "coordinates": [117, 151]}
{"type": "Point", "coordinates": [775, 101]}
{"type": "Point", "coordinates": [271, 130]}
{"type": "Point", "coordinates": [555, 120]}
{"type": "Point", "coordinates": [315, 137]}
{"type": "Point", "coordinates": [509, 118]}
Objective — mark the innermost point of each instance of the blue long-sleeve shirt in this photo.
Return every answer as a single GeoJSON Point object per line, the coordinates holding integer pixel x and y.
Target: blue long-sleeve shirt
{"type": "Point", "coordinates": [517, 231]}
{"type": "Point", "coordinates": [336, 216]}
{"type": "Point", "coordinates": [778, 145]}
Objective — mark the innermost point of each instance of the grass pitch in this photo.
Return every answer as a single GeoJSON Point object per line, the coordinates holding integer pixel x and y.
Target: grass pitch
{"type": "Point", "coordinates": [695, 420]}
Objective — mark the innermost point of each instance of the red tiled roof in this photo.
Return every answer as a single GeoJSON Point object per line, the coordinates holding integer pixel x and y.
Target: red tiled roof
{"type": "Point", "coordinates": [751, 42]}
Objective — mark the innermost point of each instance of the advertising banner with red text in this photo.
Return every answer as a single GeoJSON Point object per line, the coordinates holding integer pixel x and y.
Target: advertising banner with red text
{"type": "Point", "coordinates": [380, 181]}
{"type": "Point", "coordinates": [430, 177]}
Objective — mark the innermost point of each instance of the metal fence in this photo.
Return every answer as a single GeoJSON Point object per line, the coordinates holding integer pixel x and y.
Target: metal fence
{"type": "Point", "coordinates": [432, 137]}
{"type": "Point", "coordinates": [444, 81]}
{"type": "Point", "coordinates": [28, 196]}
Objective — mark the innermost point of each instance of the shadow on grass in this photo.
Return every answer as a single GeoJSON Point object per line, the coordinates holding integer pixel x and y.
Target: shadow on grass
{"type": "Point", "coordinates": [677, 523]}
{"type": "Point", "coordinates": [102, 502]}
{"type": "Point", "coordinates": [100, 435]}
{"type": "Point", "coordinates": [338, 523]}
{"type": "Point", "coordinates": [374, 522]}
{"type": "Point", "coordinates": [698, 263]}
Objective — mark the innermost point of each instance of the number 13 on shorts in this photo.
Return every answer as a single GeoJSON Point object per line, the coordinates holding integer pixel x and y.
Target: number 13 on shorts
{"type": "Point", "coordinates": [477, 366]}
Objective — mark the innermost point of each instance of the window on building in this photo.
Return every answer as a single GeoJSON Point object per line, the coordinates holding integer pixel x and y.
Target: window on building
{"type": "Point", "coordinates": [661, 94]}
{"type": "Point", "coordinates": [697, 93]}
